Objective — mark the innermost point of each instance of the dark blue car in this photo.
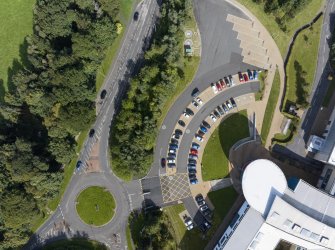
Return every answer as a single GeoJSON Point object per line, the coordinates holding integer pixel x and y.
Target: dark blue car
{"type": "Point", "coordinates": [203, 129]}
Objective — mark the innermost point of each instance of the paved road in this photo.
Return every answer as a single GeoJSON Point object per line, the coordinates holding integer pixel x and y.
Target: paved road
{"type": "Point", "coordinates": [113, 233]}
{"type": "Point", "coordinates": [220, 56]}
{"type": "Point", "coordinates": [320, 82]}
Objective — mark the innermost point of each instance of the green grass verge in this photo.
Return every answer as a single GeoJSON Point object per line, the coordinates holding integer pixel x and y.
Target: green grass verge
{"type": "Point", "coordinates": [215, 158]}
{"type": "Point", "coordinates": [260, 93]}
{"type": "Point", "coordinates": [16, 18]}
{"type": "Point", "coordinates": [221, 199]}
{"type": "Point", "coordinates": [75, 244]}
{"type": "Point", "coordinates": [95, 206]}
{"type": "Point", "coordinates": [329, 93]}
{"type": "Point", "coordinates": [302, 64]}
{"type": "Point", "coordinates": [270, 107]}
{"type": "Point", "coordinates": [129, 240]}
{"type": "Point", "coordinates": [268, 20]}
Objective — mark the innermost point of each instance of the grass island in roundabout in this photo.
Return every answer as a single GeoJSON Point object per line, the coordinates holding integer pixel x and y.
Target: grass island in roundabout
{"type": "Point", "coordinates": [95, 206]}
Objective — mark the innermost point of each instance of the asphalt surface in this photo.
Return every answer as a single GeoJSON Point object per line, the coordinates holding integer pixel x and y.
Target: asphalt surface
{"type": "Point", "coordinates": [320, 85]}
{"type": "Point", "coordinates": [220, 56]}
{"type": "Point", "coordinates": [113, 233]}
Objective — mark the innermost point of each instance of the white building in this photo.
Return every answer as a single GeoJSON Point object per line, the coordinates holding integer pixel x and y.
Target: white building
{"type": "Point", "coordinates": [302, 215]}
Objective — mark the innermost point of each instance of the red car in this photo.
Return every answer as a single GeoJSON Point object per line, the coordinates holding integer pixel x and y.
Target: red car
{"type": "Point", "coordinates": [194, 151]}
{"type": "Point", "coordinates": [245, 76]}
{"type": "Point", "coordinates": [223, 85]}
{"type": "Point", "coordinates": [240, 77]}
{"type": "Point", "coordinates": [218, 85]}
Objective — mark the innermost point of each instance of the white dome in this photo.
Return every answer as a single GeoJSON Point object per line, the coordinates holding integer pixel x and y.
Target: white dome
{"type": "Point", "coordinates": [262, 181]}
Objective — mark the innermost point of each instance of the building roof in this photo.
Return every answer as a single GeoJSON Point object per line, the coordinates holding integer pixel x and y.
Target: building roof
{"type": "Point", "coordinates": [246, 230]}
{"type": "Point", "coordinates": [262, 182]}
{"type": "Point", "coordinates": [312, 202]}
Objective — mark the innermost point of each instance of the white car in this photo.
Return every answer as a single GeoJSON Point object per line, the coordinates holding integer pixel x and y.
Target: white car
{"type": "Point", "coordinates": [214, 88]}
{"type": "Point", "coordinates": [212, 117]}
{"type": "Point", "coordinates": [171, 161]}
{"type": "Point", "coordinates": [186, 115]}
{"type": "Point", "coordinates": [199, 138]}
{"type": "Point", "coordinates": [229, 105]}
{"type": "Point", "coordinates": [189, 224]}
{"type": "Point", "coordinates": [198, 100]}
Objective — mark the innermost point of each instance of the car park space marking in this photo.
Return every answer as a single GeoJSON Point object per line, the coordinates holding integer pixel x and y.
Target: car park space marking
{"type": "Point", "coordinates": [175, 187]}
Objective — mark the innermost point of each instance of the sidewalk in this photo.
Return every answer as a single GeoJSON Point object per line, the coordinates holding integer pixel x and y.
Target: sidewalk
{"type": "Point", "coordinates": [275, 61]}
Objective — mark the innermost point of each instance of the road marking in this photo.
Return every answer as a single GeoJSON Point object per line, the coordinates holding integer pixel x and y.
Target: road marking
{"type": "Point", "coordinates": [163, 126]}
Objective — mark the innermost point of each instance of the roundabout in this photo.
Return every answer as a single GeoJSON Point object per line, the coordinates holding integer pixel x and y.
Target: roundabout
{"type": "Point", "coordinates": [95, 206]}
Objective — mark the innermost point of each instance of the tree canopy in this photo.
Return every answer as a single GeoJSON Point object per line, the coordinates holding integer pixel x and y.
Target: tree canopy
{"type": "Point", "coordinates": [50, 100]}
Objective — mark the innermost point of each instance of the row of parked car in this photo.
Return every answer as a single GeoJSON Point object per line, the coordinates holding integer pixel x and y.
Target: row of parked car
{"type": "Point", "coordinates": [206, 212]}
{"type": "Point", "coordinates": [170, 161]}
{"type": "Point", "coordinates": [228, 81]}
{"type": "Point", "coordinates": [192, 163]}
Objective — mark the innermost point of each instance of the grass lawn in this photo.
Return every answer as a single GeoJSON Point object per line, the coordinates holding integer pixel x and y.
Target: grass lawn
{"type": "Point", "coordinates": [268, 20]}
{"type": "Point", "coordinates": [222, 200]}
{"type": "Point", "coordinates": [215, 158]}
{"type": "Point", "coordinates": [75, 244]}
{"type": "Point", "coordinates": [270, 107]}
{"type": "Point", "coordinates": [129, 240]}
{"type": "Point", "coordinates": [302, 64]}
{"type": "Point", "coordinates": [95, 206]}
{"type": "Point", "coordinates": [16, 18]}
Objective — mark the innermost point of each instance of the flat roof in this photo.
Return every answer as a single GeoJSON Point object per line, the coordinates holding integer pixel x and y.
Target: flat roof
{"type": "Point", "coordinates": [262, 181]}
{"type": "Point", "coordinates": [246, 230]}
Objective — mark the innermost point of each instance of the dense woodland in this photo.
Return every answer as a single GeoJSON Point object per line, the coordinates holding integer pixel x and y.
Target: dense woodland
{"type": "Point", "coordinates": [135, 128]}
{"type": "Point", "coordinates": [283, 10]}
{"type": "Point", "coordinates": [50, 100]}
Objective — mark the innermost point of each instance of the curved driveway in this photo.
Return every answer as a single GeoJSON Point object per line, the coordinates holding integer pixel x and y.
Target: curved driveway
{"type": "Point", "coordinates": [220, 56]}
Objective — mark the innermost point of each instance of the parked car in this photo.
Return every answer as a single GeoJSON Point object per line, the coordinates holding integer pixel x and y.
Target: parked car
{"type": "Point", "coordinates": [233, 102]}
{"type": "Point", "coordinates": [178, 132]}
{"type": "Point", "coordinates": [204, 208]}
{"type": "Point", "coordinates": [192, 156]}
{"type": "Point", "coordinates": [195, 145]}
{"type": "Point", "coordinates": [171, 160]}
{"type": "Point", "coordinates": [200, 200]}
{"type": "Point", "coordinates": [223, 85]}
{"type": "Point", "coordinates": [191, 166]}
{"type": "Point", "coordinates": [189, 111]}
{"type": "Point", "coordinates": [229, 105]}
{"type": "Point", "coordinates": [171, 165]}
{"type": "Point", "coordinates": [201, 133]}
{"type": "Point", "coordinates": [225, 108]}
{"type": "Point", "coordinates": [203, 129]}
{"type": "Point", "coordinates": [207, 224]}
{"type": "Point", "coordinates": [172, 155]}
{"type": "Point", "coordinates": [174, 141]}
{"type": "Point", "coordinates": [226, 81]}
{"type": "Point", "coordinates": [216, 113]}
{"type": "Point", "coordinates": [199, 138]}
{"type": "Point", "coordinates": [206, 124]}
{"type": "Point", "coordinates": [192, 161]}
{"type": "Point", "coordinates": [255, 74]}
{"type": "Point", "coordinates": [207, 213]}
{"type": "Point", "coordinates": [194, 151]}
{"type": "Point", "coordinates": [192, 171]}
{"type": "Point", "coordinates": [195, 104]}
{"type": "Point", "coordinates": [194, 181]}
{"type": "Point", "coordinates": [240, 77]}
{"type": "Point", "coordinates": [215, 90]}
{"type": "Point", "coordinates": [195, 92]}
{"type": "Point", "coordinates": [188, 223]}
{"type": "Point", "coordinates": [192, 176]}
{"type": "Point", "coordinates": [202, 228]}
{"type": "Point", "coordinates": [231, 80]}
{"type": "Point", "coordinates": [181, 123]}
{"type": "Point", "coordinates": [245, 77]}
{"type": "Point", "coordinates": [163, 162]}
{"type": "Point", "coordinates": [199, 100]}
{"type": "Point", "coordinates": [251, 77]}
{"type": "Point", "coordinates": [221, 111]}
{"type": "Point", "coordinates": [213, 117]}
{"type": "Point", "coordinates": [186, 115]}
{"type": "Point", "coordinates": [218, 85]}
{"type": "Point", "coordinates": [175, 136]}
{"type": "Point", "coordinates": [173, 146]}
{"type": "Point", "coordinates": [172, 150]}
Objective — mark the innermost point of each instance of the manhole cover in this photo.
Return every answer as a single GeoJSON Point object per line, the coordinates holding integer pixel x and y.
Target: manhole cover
{"type": "Point", "coordinates": [187, 131]}
{"type": "Point", "coordinates": [188, 33]}
{"type": "Point", "coordinates": [163, 127]}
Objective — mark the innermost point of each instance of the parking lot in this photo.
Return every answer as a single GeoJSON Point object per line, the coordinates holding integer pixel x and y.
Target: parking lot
{"type": "Point", "coordinates": [175, 187]}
